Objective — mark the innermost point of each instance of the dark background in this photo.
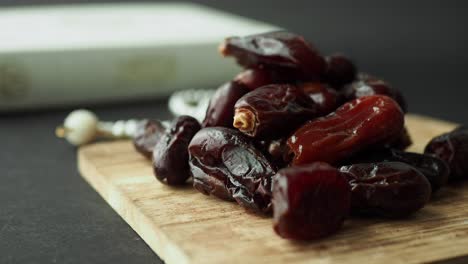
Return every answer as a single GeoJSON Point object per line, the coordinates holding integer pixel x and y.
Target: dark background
{"type": "Point", "coordinates": [48, 214]}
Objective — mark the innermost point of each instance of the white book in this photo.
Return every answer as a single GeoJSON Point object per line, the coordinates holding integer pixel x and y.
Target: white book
{"type": "Point", "coordinates": [73, 54]}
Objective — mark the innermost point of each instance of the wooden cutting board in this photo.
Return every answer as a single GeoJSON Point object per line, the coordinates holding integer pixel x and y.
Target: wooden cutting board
{"type": "Point", "coordinates": [184, 226]}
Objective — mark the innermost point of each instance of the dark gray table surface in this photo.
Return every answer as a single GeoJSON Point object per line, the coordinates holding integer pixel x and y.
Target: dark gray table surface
{"type": "Point", "coordinates": [48, 214]}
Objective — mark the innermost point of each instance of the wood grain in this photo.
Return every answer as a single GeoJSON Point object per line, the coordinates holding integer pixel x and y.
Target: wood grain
{"type": "Point", "coordinates": [184, 226]}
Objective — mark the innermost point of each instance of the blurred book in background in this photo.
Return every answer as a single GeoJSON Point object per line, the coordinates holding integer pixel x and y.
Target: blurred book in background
{"type": "Point", "coordinates": [83, 54]}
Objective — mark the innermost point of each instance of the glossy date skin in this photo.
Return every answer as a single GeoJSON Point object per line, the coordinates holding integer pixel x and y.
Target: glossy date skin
{"type": "Point", "coordinates": [362, 123]}
{"type": "Point", "coordinates": [326, 99]}
{"type": "Point", "coordinates": [369, 85]}
{"type": "Point", "coordinates": [262, 113]}
{"type": "Point", "coordinates": [434, 169]}
{"type": "Point", "coordinates": [340, 70]}
{"type": "Point", "coordinates": [452, 148]}
{"type": "Point", "coordinates": [388, 189]}
{"type": "Point", "coordinates": [147, 135]}
{"type": "Point", "coordinates": [220, 111]}
{"type": "Point", "coordinates": [224, 163]}
{"type": "Point", "coordinates": [280, 49]}
{"type": "Point", "coordinates": [310, 201]}
{"type": "Point", "coordinates": [170, 155]}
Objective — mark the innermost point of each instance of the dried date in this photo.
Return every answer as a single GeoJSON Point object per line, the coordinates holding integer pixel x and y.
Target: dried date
{"type": "Point", "coordinates": [368, 85]}
{"type": "Point", "coordinates": [254, 78]}
{"type": "Point", "coordinates": [355, 126]}
{"type": "Point", "coordinates": [310, 201]}
{"type": "Point", "coordinates": [262, 113]}
{"type": "Point", "coordinates": [275, 150]}
{"type": "Point", "coordinates": [147, 135]}
{"type": "Point", "coordinates": [225, 164]}
{"type": "Point", "coordinates": [220, 111]}
{"type": "Point", "coordinates": [283, 50]}
{"type": "Point", "coordinates": [340, 70]}
{"type": "Point", "coordinates": [434, 169]}
{"type": "Point", "coordinates": [402, 142]}
{"type": "Point", "coordinates": [170, 155]}
{"type": "Point", "coordinates": [452, 148]}
{"type": "Point", "coordinates": [326, 99]}
{"type": "Point", "coordinates": [389, 189]}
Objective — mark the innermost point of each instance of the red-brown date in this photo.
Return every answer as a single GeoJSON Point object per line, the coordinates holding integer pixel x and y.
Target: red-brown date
{"type": "Point", "coordinates": [225, 164]}
{"type": "Point", "coordinates": [339, 71]}
{"type": "Point", "coordinates": [452, 148]}
{"type": "Point", "coordinates": [368, 85]}
{"type": "Point", "coordinates": [355, 126]}
{"type": "Point", "coordinates": [220, 111]}
{"type": "Point", "coordinates": [147, 135]}
{"type": "Point", "coordinates": [388, 189]}
{"type": "Point", "coordinates": [170, 155]}
{"type": "Point", "coordinates": [326, 99]}
{"type": "Point", "coordinates": [309, 202]}
{"type": "Point", "coordinates": [262, 113]}
{"type": "Point", "coordinates": [276, 50]}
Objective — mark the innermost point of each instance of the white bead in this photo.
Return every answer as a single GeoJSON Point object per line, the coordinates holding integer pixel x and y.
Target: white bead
{"type": "Point", "coordinates": [131, 127]}
{"type": "Point", "coordinates": [118, 129]}
{"type": "Point", "coordinates": [80, 126]}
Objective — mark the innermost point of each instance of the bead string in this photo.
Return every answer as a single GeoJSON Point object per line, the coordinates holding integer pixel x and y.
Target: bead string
{"type": "Point", "coordinates": [83, 126]}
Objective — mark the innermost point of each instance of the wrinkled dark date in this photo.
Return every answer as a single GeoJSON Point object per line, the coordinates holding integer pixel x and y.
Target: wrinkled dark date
{"type": "Point", "coordinates": [452, 148]}
{"type": "Point", "coordinates": [368, 85]}
{"type": "Point", "coordinates": [225, 163]}
{"type": "Point", "coordinates": [147, 135]}
{"type": "Point", "coordinates": [276, 50]}
{"type": "Point", "coordinates": [434, 169]}
{"type": "Point", "coordinates": [389, 189]}
{"type": "Point", "coordinates": [326, 99]}
{"type": "Point", "coordinates": [273, 111]}
{"type": "Point", "coordinates": [220, 111]}
{"type": "Point", "coordinates": [170, 155]}
{"type": "Point", "coordinates": [310, 201]}
{"type": "Point", "coordinates": [355, 126]}
{"type": "Point", "coordinates": [339, 71]}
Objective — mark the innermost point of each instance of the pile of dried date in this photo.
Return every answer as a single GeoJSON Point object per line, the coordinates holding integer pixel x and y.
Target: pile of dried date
{"type": "Point", "coordinates": [305, 138]}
